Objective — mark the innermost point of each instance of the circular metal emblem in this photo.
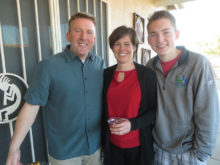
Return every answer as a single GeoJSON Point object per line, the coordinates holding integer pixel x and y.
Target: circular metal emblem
{"type": "Point", "coordinates": [12, 90]}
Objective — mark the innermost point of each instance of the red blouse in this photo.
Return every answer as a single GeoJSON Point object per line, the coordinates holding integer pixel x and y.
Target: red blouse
{"type": "Point", "coordinates": [123, 101]}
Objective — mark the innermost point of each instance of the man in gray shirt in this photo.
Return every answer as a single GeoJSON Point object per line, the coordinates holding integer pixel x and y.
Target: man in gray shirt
{"type": "Point", "coordinates": [187, 119]}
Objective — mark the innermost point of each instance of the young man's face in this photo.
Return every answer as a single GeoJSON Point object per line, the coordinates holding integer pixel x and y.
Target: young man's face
{"type": "Point", "coordinates": [161, 37]}
{"type": "Point", "coordinates": [81, 37]}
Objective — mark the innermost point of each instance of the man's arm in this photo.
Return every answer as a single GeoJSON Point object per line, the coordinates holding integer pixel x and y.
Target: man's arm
{"type": "Point", "coordinates": [24, 122]}
{"type": "Point", "coordinates": [206, 113]}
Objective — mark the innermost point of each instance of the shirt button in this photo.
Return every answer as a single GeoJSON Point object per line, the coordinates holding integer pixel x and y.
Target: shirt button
{"type": "Point", "coordinates": [85, 78]}
{"type": "Point", "coordinates": [86, 92]}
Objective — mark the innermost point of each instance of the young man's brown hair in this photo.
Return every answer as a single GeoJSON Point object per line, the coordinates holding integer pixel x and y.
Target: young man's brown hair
{"type": "Point", "coordinates": [160, 15]}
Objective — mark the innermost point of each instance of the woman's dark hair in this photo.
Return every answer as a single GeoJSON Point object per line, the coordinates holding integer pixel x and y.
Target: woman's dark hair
{"type": "Point", "coordinates": [120, 32]}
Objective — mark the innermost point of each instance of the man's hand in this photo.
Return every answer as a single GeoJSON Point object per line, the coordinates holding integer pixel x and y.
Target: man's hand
{"type": "Point", "coordinates": [14, 158]}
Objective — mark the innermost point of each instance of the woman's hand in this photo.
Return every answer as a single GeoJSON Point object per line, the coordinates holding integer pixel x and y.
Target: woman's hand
{"type": "Point", "coordinates": [121, 128]}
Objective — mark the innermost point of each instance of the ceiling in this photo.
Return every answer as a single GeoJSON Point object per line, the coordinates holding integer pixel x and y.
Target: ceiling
{"type": "Point", "coordinates": [170, 4]}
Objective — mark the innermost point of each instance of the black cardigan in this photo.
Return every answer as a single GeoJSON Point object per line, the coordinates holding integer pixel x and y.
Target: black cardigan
{"type": "Point", "coordinates": [146, 114]}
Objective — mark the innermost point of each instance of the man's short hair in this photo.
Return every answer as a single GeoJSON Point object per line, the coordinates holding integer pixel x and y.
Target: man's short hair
{"type": "Point", "coordinates": [162, 14]}
{"type": "Point", "coordinates": [81, 15]}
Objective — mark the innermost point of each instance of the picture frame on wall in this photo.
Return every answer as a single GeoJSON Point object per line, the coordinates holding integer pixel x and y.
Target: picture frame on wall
{"type": "Point", "coordinates": [139, 23]}
{"type": "Point", "coordinates": [145, 55]}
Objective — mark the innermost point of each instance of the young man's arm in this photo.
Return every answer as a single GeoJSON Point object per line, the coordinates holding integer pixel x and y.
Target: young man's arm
{"type": "Point", "coordinates": [24, 122]}
{"type": "Point", "coordinates": [206, 112]}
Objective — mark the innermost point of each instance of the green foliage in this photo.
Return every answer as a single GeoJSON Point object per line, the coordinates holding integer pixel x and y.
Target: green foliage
{"type": "Point", "coordinates": [210, 48]}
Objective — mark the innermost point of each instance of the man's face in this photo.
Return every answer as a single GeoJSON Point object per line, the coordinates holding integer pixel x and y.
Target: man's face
{"type": "Point", "coordinates": [161, 37]}
{"type": "Point", "coordinates": [81, 37]}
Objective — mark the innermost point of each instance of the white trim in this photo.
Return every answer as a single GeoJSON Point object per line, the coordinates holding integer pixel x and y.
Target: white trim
{"type": "Point", "coordinates": [55, 26]}
{"type": "Point", "coordinates": [2, 50]}
{"type": "Point", "coordinates": [78, 6]}
{"type": "Point", "coordinates": [24, 68]}
{"type": "Point", "coordinates": [68, 9]}
{"type": "Point", "coordinates": [94, 7]}
{"type": "Point", "coordinates": [52, 26]}
{"type": "Point", "coordinates": [94, 13]}
{"type": "Point", "coordinates": [32, 145]}
{"type": "Point", "coordinates": [58, 28]}
{"type": "Point", "coordinates": [101, 29]}
{"type": "Point", "coordinates": [11, 128]}
{"type": "Point", "coordinates": [87, 6]}
{"type": "Point", "coordinates": [21, 40]}
{"type": "Point", "coordinates": [37, 30]}
{"type": "Point", "coordinates": [108, 25]}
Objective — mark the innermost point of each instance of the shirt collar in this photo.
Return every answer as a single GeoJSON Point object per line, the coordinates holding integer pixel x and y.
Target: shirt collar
{"type": "Point", "coordinates": [69, 56]}
{"type": "Point", "coordinates": [182, 59]}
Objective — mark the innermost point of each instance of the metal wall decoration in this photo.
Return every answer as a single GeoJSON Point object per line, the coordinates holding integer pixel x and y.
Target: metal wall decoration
{"type": "Point", "coordinates": [139, 25]}
{"type": "Point", "coordinates": [13, 88]}
{"type": "Point", "coordinates": [145, 56]}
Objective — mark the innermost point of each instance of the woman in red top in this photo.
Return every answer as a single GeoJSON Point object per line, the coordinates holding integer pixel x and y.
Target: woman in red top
{"type": "Point", "coordinates": [129, 104]}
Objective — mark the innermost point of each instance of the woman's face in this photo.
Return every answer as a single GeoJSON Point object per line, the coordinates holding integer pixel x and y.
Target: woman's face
{"type": "Point", "coordinates": [123, 50]}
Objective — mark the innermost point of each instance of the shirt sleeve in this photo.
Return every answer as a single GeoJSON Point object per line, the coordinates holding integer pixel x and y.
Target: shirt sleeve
{"type": "Point", "coordinates": [38, 91]}
{"type": "Point", "coordinates": [206, 112]}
